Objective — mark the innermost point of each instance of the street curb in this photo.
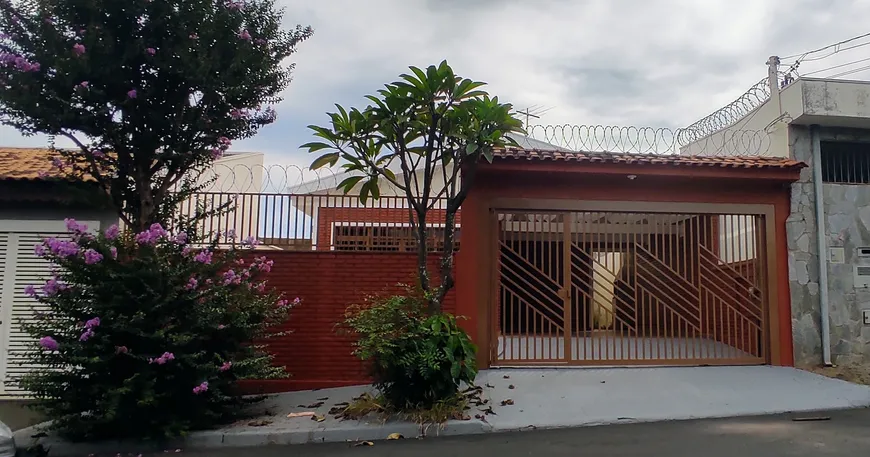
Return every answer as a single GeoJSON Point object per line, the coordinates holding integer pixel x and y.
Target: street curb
{"type": "Point", "coordinates": [251, 438]}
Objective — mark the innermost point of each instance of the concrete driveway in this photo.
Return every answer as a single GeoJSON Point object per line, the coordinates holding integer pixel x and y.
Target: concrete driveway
{"type": "Point", "coordinates": [577, 397]}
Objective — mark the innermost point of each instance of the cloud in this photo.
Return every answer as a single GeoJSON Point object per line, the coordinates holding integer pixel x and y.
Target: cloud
{"type": "Point", "coordinates": [663, 63]}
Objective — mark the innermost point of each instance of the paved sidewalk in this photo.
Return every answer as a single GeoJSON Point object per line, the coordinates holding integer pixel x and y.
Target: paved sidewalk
{"type": "Point", "coordinates": [539, 398]}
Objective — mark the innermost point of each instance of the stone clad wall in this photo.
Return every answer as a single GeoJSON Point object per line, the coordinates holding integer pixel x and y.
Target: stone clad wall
{"type": "Point", "coordinates": [847, 213]}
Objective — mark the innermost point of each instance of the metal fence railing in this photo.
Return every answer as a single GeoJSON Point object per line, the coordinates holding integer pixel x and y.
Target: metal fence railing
{"type": "Point", "coordinates": [314, 222]}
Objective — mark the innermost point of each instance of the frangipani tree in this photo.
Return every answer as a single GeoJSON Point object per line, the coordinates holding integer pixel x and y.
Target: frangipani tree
{"type": "Point", "coordinates": [149, 91]}
{"type": "Point", "coordinates": [432, 125]}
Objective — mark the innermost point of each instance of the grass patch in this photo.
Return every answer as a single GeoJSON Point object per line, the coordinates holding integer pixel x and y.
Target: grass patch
{"type": "Point", "coordinates": [453, 408]}
{"type": "Point", "coordinates": [859, 374]}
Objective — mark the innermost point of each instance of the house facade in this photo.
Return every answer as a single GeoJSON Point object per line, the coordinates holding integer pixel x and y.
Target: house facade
{"type": "Point", "coordinates": [825, 124]}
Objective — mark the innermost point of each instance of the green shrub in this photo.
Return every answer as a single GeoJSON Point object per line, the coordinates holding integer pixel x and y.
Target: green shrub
{"type": "Point", "coordinates": [416, 360]}
{"type": "Point", "coordinates": [147, 335]}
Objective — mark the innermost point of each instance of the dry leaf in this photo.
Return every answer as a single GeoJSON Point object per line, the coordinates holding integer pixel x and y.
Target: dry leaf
{"type": "Point", "coordinates": [315, 405]}
{"type": "Point", "coordinates": [507, 377]}
{"type": "Point", "coordinates": [490, 385]}
{"type": "Point", "coordinates": [511, 387]}
{"type": "Point", "coordinates": [323, 399]}
{"type": "Point", "coordinates": [342, 403]}
{"type": "Point", "coordinates": [488, 410]}
{"type": "Point", "coordinates": [337, 409]}
{"type": "Point", "coordinates": [317, 418]}
{"type": "Point", "coordinates": [302, 414]}
{"type": "Point", "coordinates": [259, 423]}
{"type": "Point", "coordinates": [395, 436]}
{"type": "Point", "coordinates": [363, 443]}
{"type": "Point", "coordinates": [507, 402]}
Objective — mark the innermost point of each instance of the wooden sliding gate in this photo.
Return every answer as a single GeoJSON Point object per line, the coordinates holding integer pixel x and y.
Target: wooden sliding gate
{"type": "Point", "coordinates": [629, 288]}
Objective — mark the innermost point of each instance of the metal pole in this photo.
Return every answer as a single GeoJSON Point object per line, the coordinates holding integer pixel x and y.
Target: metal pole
{"type": "Point", "coordinates": [823, 245]}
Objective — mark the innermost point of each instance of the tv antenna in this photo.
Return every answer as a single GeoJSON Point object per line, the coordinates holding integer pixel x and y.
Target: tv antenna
{"type": "Point", "coordinates": [533, 112]}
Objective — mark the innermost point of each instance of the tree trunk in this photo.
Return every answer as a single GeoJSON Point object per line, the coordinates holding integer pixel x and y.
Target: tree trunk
{"type": "Point", "coordinates": [422, 260]}
{"type": "Point", "coordinates": [447, 279]}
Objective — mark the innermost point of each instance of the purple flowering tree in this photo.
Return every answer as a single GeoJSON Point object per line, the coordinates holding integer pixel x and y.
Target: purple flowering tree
{"type": "Point", "coordinates": [150, 92]}
{"type": "Point", "coordinates": [149, 333]}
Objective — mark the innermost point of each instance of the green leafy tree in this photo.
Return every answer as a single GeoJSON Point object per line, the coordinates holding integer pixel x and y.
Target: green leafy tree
{"type": "Point", "coordinates": [434, 125]}
{"type": "Point", "coordinates": [149, 91]}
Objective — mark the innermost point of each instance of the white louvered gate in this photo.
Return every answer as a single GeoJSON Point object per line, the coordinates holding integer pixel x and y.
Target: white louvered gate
{"type": "Point", "coordinates": [19, 267]}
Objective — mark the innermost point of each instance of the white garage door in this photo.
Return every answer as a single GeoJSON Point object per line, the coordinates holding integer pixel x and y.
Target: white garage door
{"type": "Point", "coordinates": [19, 267]}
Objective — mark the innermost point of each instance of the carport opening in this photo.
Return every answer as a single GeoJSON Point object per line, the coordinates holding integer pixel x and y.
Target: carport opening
{"type": "Point", "coordinates": [629, 288]}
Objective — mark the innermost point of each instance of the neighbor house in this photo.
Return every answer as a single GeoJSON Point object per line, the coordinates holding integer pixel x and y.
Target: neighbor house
{"type": "Point", "coordinates": [826, 124]}
{"type": "Point", "coordinates": [34, 201]}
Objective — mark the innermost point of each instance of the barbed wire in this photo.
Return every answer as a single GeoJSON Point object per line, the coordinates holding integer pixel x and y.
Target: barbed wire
{"type": "Point", "coordinates": [731, 113]}
{"type": "Point", "coordinates": [273, 178]}
{"type": "Point", "coordinates": [294, 179]}
{"type": "Point", "coordinates": [648, 140]}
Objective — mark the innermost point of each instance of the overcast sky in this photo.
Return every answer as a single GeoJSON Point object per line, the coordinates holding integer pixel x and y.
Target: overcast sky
{"type": "Point", "coordinates": [618, 62]}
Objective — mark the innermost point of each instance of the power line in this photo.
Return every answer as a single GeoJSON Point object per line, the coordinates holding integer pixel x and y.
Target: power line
{"type": "Point", "coordinates": [836, 66]}
{"type": "Point", "coordinates": [804, 54]}
{"type": "Point", "coordinates": [854, 70]}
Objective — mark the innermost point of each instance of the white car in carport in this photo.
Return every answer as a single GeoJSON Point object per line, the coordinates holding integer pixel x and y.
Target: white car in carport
{"type": "Point", "coordinates": [7, 442]}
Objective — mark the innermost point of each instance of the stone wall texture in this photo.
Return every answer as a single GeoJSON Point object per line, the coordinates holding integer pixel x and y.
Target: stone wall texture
{"type": "Point", "coordinates": [847, 225]}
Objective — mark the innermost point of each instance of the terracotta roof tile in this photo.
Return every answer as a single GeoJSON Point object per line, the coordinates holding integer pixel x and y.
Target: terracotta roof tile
{"type": "Point", "coordinates": [651, 159]}
{"type": "Point", "coordinates": [26, 163]}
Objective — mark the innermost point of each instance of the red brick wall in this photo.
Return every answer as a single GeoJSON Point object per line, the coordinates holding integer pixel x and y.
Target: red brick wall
{"type": "Point", "coordinates": [327, 282]}
{"type": "Point", "coordinates": [399, 216]}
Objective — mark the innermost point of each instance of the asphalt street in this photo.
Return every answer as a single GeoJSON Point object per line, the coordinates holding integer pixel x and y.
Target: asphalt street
{"type": "Point", "coordinates": [843, 434]}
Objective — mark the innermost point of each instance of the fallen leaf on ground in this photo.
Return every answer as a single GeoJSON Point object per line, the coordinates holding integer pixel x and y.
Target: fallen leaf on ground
{"type": "Point", "coordinates": [323, 399]}
{"type": "Point", "coordinates": [490, 385]}
{"type": "Point", "coordinates": [507, 402]}
{"type": "Point", "coordinates": [337, 409]}
{"type": "Point", "coordinates": [315, 405]}
{"type": "Point", "coordinates": [488, 410]}
{"type": "Point", "coordinates": [472, 389]}
{"type": "Point", "coordinates": [317, 418]}
{"type": "Point", "coordinates": [363, 443]}
{"type": "Point", "coordinates": [302, 414]}
{"type": "Point", "coordinates": [507, 377]}
{"type": "Point", "coordinates": [259, 423]}
{"type": "Point", "coordinates": [395, 436]}
{"type": "Point", "coordinates": [342, 403]}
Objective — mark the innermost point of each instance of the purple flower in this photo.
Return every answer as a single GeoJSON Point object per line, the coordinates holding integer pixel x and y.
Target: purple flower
{"type": "Point", "coordinates": [203, 257]}
{"type": "Point", "coordinates": [62, 248]}
{"type": "Point", "coordinates": [192, 283]}
{"type": "Point", "coordinates": [217, 153]}
{"type": "Point", "coordinates": [39, 250]}
{"type": "Point", "coordinates": [30, 291]}
{"type": "Point", "coordinates": [235, 5]}
{"type": "Point", "coordinates": [260, 41]}
{"type": "Point", "coordinates": [224, 141]}
{"type": "Point", "coordinates": [49, 343]}
{"type": "Point", "coordinates": [282, 303]}
{"type": "Point", "coordinates": [121, 350]}
{"type": "Point", "coordinates": [57, 163]}
{"type": "Point", "coordinates": [114, 252]}
{"type": "Point", "coordinates": [186, 251]}
{"type": "Point", "coordinates": [151, 51]}
{"type": "Point", "coordinates": [180, 238]}
{"type": "Point", "coordinates": [152, 235]}
{"type": "Point", "coordinates": [86, 335]}
{"type": "Point", "coordinates": [112, 232]}
{"type": "Point", "coordinates": [99, 154]}
{"type": "Point", "coordinates": [194, 36]}
{"type": "Point", "coordinates": [91, 323]}
{"type": "Point", "coordinates": [231, 234]}
{"type": "Point", "coordinates": [84, 84]}
{"type": "Point", "coordinates": [132, 93]}
{"type": "Point", "coordinates": [74, 227]}
{"type": "Point", "coordinates": [52, 286]}
{"type": "Point", "coordinates": [221, 327]}
{"type": "Point", "coordinates": [230, 277]}
{"type": "Point", "coordinates": [261, 287]}
{"type": "Point", "coordinates": [237, 113]}
{"type": "Point", "coordinates": [226, 366]}
{"type": "Point", "coordinates": [166, 357]}
{"type": "Point", "coordinates": [92, 257]}
{"type": "Point", "coordinates": [42, 174]}
{"type": "Point", "coordinates": [245, 35]}
{"type": "Point", "coordinates": [157, 229]}
{"type": "Point", "coordinates": [250, 241]}
{"type": "Point", "coordinates": [201, 388]}
{"type": "Point", "coordinates": [78, 49]}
